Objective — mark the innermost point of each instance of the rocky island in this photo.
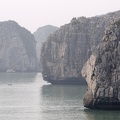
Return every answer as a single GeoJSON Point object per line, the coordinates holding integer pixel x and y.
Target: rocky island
{"type": "Point", "coordinates": [102, 71]}
{"type": "Point", "coordinates": [17, 48]}
{"type": "Point", "coordinates": [66, 50]}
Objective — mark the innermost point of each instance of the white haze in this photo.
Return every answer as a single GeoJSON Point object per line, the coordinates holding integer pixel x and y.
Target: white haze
{"type": "Point", "coordinates": [33, 14]}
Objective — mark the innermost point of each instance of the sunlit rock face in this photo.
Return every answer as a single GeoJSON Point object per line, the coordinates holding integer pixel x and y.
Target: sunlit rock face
{"type": "Point", "coordinates": [102, 71]}
{"type": "Point", "coordinates": [17, 48]}
{"type": "Point", "coordinates": [66, 51]}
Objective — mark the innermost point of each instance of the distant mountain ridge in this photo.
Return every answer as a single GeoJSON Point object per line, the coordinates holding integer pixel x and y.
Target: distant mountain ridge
{"type": "Point", "coordinates": [41, 36]}
{"type": "Point", "coordinates": [42, 32]}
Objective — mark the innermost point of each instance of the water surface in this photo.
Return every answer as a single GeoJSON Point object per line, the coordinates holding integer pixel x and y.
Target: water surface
{"type": "Point", "coordinates": [25, 96]}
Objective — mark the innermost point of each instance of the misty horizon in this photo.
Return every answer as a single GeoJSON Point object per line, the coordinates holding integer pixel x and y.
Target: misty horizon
{"type": "Point", "coordinates": [35, 14]}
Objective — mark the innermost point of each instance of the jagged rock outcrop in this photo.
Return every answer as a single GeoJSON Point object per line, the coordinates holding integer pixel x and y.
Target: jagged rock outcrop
{"type": "Point", "coordinates": [102, 71]}
{"type": "Point", "coordinates": [67, 50]}
{"type": "Point", "coordinates": [17, 48]}
{"type": "Point", "coordinates": [41, 36]}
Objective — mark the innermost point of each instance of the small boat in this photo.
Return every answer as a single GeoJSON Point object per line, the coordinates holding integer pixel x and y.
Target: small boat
{"type": "Point", "coordinates": [10, 84]}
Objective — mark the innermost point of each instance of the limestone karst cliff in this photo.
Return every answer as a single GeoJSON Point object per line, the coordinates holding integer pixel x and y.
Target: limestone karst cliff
{"type": "Point", "coordinates": [66, 51]}
{"type": "Point", "coordinates": [102, 71]}
{"type": "Point", "coordinates": [17, 48]}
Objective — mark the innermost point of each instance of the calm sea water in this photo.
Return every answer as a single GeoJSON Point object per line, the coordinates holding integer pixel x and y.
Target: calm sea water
{"type": "Point", "coordinates": [25, 96]}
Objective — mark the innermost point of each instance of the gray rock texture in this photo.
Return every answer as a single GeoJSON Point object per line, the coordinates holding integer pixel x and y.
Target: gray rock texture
{"type": "Point", "coordinates": [17, 48]}
{"type": "Point", "coordinates": [66, 51]}
{"type": "Point", "coordinates": [102, 71]}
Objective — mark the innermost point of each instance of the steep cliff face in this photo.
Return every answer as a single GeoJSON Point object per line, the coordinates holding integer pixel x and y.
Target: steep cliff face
{"type": "Point", "coordinates": [17, 48]}
{"type": "Point", "coordinates": [66, 51]}
{"type": "Point", "coordinates": [102, 71]}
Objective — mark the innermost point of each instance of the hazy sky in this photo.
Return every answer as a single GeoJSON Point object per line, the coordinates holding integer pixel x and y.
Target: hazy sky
{"type": "Point", "coordinates": [33, 14]}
